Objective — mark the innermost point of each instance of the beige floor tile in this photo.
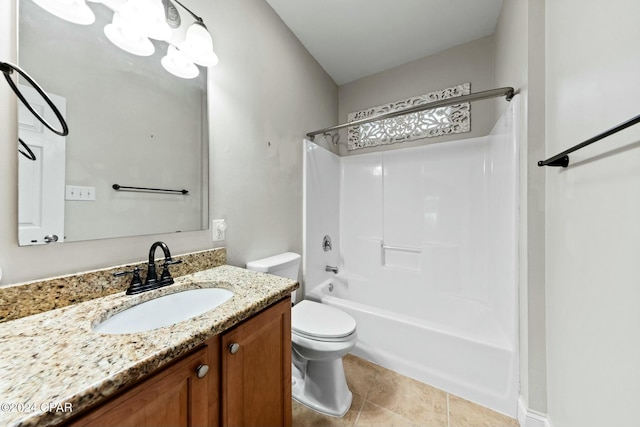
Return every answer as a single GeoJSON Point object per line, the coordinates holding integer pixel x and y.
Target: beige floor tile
{"type": "Point", "coordinates": [306, 417]}
{"type": "Point", "coordinates": [360, 373]}
{"type": "Point", "coordinates": [418, 402]}
{"type": "Point", "coordinates": [463, 413]}
{"type": "Point", "coordinates": [373, 415]}
{"type": "Point", "coordinates": [384, 398]}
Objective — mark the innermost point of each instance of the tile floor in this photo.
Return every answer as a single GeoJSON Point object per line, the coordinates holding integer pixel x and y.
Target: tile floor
{"type": "Point", "coordinates": [384, 398]}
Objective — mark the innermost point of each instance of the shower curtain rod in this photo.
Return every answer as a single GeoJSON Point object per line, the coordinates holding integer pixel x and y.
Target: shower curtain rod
{"type": "Point", "coordinates": [507, 92]}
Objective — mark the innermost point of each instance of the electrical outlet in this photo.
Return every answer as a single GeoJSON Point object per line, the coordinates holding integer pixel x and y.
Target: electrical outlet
{"type": "Point", "coordinates": [218, 228]}
{"type": "Point", "coordinates": [76, 192]}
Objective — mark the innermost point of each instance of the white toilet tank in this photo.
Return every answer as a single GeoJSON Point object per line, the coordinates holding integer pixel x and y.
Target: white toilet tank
{"type": "Point", "coordinates": [283, 265]}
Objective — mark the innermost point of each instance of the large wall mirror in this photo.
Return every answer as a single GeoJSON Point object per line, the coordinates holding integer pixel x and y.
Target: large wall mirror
{"type": "Point", "coordinates": [131, 123]}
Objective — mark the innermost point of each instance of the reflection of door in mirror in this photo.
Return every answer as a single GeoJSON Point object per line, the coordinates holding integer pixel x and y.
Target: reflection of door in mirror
{"type": "Point", "coordinates": [41, 182]}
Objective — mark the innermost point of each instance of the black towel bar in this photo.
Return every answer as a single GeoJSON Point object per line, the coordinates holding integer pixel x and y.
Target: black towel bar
{"type": "Point", "coordinates": [145, 189]}
{"type": "Point", "coordinates": [562, 159]}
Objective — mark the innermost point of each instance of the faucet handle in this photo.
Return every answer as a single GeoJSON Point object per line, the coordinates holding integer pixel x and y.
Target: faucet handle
{"type": "Point", "coordinates": [165, 277]}
{"type": "Point", "coordinates": [135, 280]}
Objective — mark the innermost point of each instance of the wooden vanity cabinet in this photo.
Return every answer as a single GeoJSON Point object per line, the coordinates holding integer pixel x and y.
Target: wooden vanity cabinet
{"type": "Point", "coordinates": [248, 382]}
{"type": "Point", "coordinates": [174, 397]}
{"type": "Point", "coordinates": [256, 370]}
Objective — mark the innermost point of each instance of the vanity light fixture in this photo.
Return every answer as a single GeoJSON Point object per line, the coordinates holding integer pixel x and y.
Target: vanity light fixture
{"type": "Point", "coordinates": [197, 48]}
{"type": "Point", "coordinates": [75, 11]}
{"type": "Point", "coordinates": [198, 45]}
{"type": "Point", "coordinates": [150, 16]}
{"type": "Point", "coordinates": [177, 64]}
{"type": "Point", "coordinates": [127, 36]}
{"type": "Point", "coordinates": [135, 22]}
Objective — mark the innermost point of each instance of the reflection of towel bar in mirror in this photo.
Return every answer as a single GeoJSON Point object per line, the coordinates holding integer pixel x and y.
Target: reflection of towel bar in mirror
{"type": "Point", "coordinates": [29, 154]}
{"type": "Point", "coordinates": [119, 187]}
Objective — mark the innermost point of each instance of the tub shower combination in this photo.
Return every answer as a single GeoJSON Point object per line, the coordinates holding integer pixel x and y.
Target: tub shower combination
{"type": "Point", "coordinates": [425, 240]}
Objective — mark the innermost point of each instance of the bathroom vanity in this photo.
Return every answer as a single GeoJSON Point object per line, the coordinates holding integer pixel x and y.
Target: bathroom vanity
{"type": "Point", "coordinates": [241, 377]}
{"type": "Point", "coordinates": [228, 366]}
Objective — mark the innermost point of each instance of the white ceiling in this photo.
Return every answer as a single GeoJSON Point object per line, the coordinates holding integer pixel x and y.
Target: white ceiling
{"type": "Point", "coordinates": [356, 38]}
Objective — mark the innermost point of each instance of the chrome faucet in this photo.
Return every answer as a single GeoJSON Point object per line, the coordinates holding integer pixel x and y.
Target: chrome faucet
{"type": "Point", "coordinates": [330, 268]}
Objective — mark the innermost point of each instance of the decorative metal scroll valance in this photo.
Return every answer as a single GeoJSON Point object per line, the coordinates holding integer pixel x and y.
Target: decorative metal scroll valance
{"type": "Point", "coordinates": [507, 92]}
{"type": "Point", "coordinates": [430, 123]}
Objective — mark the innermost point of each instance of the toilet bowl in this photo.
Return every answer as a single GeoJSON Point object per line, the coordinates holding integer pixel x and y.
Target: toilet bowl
{"type": "Point", "coordinates": [320, 336]}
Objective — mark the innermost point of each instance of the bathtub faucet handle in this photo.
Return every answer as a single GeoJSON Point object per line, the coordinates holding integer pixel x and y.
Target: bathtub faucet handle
{"type": "Point", "coordinates": [330, 268]}
{"type": "Point", "coordinates": [326, 243]}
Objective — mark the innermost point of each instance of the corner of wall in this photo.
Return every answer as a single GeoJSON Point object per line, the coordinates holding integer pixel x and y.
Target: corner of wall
{"type": "Point", "coordinates": [530, 418]}
{"type": "Point", "coordinates": [519, 56]}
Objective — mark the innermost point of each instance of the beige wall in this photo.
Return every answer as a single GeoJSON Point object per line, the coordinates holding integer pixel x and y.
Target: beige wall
{"type": "Point", "coordinates": [519, 60]}
{"type": "Point", "coordinates": [267, 88]}
{"type": "Point", "coordinates": [271, 93]}
{"type": "Point", "coordinates": [593, 207]}
{"type": "Point", "coordinates": [469, 62]}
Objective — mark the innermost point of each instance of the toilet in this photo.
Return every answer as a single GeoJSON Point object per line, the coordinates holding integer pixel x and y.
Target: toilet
{"type": "Point", "coordinates": [320, 336]}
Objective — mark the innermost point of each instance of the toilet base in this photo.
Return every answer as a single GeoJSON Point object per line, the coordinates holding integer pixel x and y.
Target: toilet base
{"type": "Point", "coordinates": [322, 387]}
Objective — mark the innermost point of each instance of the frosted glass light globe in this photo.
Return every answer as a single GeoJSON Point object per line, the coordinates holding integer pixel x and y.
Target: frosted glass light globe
{"type": "Point", "coordinates": [198, 46]}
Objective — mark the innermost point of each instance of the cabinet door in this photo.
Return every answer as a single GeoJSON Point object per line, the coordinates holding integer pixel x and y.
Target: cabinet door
{"type": "Point", "coordinates": [173, 397]}
{"type": "Point", "coordinates": [256, 370]}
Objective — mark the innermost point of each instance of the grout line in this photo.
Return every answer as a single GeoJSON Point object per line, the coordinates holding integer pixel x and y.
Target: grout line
{"type": "Point", "coordinates": [364, 402]}
{"type": "Point", "coordinates": [359, 412]}
{"type": "Point", "coordinates": [448, 412]}
{"type": "Point", "coordinates": [409, 421]}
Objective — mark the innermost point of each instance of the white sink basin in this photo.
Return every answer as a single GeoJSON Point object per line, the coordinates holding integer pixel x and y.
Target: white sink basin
{"type": "Point", "coordinates": [164, 311]}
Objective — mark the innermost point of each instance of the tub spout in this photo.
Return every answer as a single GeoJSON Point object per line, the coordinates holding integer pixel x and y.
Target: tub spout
{"type": "Point", "coordinates": [330, 268]}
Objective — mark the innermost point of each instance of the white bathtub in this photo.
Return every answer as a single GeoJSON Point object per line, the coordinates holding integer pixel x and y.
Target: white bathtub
{"type": "Point", "coordinates": [426, 242]}
{"type": "Point", "coordinates": [466, 354]}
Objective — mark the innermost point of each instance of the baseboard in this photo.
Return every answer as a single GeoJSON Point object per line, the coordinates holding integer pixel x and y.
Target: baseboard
{"type": "Point", "coordinates": [530, 418]}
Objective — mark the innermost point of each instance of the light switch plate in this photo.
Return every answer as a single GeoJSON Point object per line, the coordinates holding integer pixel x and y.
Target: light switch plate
{"type": "Point", "coordinates": [76, 192]}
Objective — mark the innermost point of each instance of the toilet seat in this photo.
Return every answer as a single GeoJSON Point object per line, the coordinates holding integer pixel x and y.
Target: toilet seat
{"type": "Point", "coordinates": [316, 321]}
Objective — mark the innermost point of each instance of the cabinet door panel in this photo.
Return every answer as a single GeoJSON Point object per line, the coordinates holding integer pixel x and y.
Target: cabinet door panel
{"type": "Point", "coordinates": [256, 379]}
{"type": "Point", "coordinates": [165, 399]}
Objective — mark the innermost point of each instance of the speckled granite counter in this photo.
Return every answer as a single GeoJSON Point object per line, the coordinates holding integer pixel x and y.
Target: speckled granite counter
{"type": "Point", "coordinates": [54, 358]}
{"type": "Point", "coordinates": [25, 299]}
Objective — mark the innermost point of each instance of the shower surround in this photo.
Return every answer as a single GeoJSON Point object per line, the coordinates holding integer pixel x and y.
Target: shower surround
{"type": "Point", "coordinates": [425, 240]}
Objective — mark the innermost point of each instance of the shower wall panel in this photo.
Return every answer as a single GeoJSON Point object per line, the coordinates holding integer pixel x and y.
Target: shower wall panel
{"type": "Point", "coordinates": [321, 211]}
{"type": "Point", "coordinates": [428, 242]}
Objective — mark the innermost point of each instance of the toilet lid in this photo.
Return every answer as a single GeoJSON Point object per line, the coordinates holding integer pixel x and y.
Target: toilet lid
{"type": "Point", "coordinates": [320, 320]}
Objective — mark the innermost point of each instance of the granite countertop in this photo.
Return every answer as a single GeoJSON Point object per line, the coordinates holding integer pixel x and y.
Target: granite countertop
{"type": "Point", "coordinates": [52, 365]}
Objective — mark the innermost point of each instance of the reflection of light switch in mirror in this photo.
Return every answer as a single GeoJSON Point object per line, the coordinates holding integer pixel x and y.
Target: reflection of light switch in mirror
{"type": "Point", "coordinates": [218, 226]}
{"type": "Point", "coordinates": [76, 192]}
